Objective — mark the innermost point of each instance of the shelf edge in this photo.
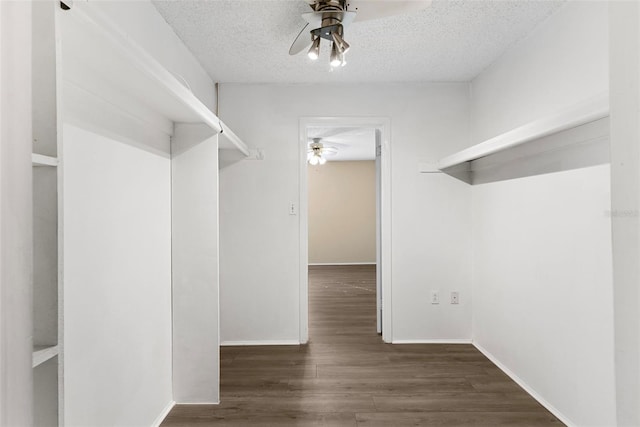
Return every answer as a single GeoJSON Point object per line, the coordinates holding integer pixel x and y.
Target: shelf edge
{"type": "Point", "coordinates": [42, 160]}
{"type": "Point", "coordinates": [584, 112]}
{"type": "Point", "coordinates": [42, 353]}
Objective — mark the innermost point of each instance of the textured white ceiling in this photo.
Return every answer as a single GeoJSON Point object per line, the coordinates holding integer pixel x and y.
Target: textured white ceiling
{"type": "Point", "coordinates": [352, 143]}
{"type": "Point", "coordinates": [247, 41]}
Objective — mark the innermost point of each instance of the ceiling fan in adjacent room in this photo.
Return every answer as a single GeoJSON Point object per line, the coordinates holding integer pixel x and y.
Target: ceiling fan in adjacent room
{"type": "Point", "coordinates": [318, 152]}
{"type": "Point", "coordinates": [329, 18]}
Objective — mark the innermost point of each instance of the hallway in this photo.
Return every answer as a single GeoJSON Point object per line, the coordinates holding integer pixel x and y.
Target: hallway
{"type": "Point", "coordinates": [346, 375]}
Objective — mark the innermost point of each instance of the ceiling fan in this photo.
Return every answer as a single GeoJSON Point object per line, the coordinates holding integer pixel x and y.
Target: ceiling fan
{"type": "Point", "coordinates": [329, 18]}
{"type": "Point", "coordinates": [317, 152]}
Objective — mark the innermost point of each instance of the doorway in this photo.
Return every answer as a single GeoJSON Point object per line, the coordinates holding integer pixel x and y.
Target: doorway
{"type": "Point", "coordinates": [311, 128]}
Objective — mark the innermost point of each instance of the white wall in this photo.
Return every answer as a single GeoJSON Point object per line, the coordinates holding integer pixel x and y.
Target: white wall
{"type": "Point", "coordinates": [15, 215]}
{"type": "Point", "coordinates": [564, 61]}
{"type": "Point", "coordinates": [624, 23]}
{"type": "Point", "coordinates": [342, 212]}
{"type": "Point", "coordinates": [117, 287]}
{"type": "Point", "coordinates": [542, 245]}
{"type": "Point", "coordinates": [259, 240]}
{"type": "Point", "coordinates": [543, 288]}
{"type": "Point", "coordinates": [194, 219]}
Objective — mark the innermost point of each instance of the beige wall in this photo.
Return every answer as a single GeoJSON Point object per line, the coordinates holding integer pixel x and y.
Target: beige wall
{"type": "Point", "coordinates": [342, 212]}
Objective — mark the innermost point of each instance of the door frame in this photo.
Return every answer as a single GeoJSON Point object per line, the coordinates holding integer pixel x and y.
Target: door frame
{"type": "Point", "coordinates": [383, 124]}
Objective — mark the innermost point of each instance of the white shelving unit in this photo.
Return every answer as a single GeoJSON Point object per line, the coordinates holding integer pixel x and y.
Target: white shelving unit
{"type": "Point", "coordinates": [46, 358]}
{"type": "Point", "coordinates": [47, 353]}
{"type": "Point", "coordinates": [573, 137]}
{"type": "Point", "coordinates": [102, 62]}
{"type": "Point", "coordinates": [88, 72]}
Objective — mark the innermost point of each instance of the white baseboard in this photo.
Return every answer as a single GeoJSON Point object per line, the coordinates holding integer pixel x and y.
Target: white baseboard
{"type": "Point", "coordinates": [163, 414]}
{"type": "Point", "coordinates": [198, 403]}
{"type": "Point", "coordinates": [524, 385]}
{"type": "Point", "coordinates": [259, 342]}
{"type": "Point", "coordinates": [342, 263]}
{"type": "Point", "coordinates": [436, 341]}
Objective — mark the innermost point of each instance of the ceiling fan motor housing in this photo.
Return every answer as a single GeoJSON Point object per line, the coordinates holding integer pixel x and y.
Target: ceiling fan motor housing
{"type": "Point", "coordinates": [332, 17]}
{"type": "Point", "coordinates": [327, 5]}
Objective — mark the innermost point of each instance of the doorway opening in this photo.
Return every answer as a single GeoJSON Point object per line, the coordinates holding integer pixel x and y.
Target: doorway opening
{"type": "Point", "coordinates": [344, 153]}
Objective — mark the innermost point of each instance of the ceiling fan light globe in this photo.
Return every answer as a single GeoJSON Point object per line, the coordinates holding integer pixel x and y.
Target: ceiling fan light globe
{"type": "Point", "coordinates": [314, 160]}
{"type": "Point", "coordinates": [335, 56]}
{"type": "Point", "coordinates": [314, 50]}
{"type": "Point", "coordinates": [322, 160]}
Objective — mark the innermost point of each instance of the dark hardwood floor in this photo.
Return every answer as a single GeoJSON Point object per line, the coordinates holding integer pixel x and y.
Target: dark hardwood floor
{"type": "Point", "coordinates": [346, 375]}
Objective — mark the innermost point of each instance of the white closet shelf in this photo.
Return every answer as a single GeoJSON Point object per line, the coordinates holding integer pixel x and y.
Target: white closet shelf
{"type": "Point", "coordinates": [42, 353]}
{"type": "Point", "coordinates": [104, 57]}
{"type": "Point", "coordinates": [41, 160]}
{"type": "Point", "coordinates": [583, 113]}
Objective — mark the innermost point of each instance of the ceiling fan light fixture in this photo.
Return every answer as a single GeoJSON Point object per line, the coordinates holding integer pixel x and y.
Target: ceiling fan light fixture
{"type": "Point", "coordinates": [314, 50]}
{"type": "Point", "coordinates": [322, 161]}
{"type": "Point", "coordinates": [314, 160]}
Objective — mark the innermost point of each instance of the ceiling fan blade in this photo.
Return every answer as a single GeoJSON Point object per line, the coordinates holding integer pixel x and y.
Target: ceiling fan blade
{"type": "Point", "coordinates": [301, 42]}
{"type": "Point", "coordinates": [368, 10]}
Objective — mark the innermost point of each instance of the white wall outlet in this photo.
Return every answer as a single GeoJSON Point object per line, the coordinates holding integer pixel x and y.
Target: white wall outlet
{"type": "Point", "coordinates": [293, 208]}
{"type": "Point", "coordinates": [435, 297]}
{"type": "Point", "coordinates": [455, 298]}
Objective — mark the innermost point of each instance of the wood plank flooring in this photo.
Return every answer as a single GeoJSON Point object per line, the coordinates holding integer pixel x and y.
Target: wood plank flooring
{"type": "Point", "coordinates": [346, 375]}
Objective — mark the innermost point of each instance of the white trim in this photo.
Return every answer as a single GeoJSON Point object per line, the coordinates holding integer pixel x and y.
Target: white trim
{"type": "Point", "coordinates": [584, 112]}
{"type": "Point", "coordinates": [160, 418]}
{"type": "Point", "coordinates": [303, 222]}
{"type": "Point", "coordinates": [384, 125]}
{"type": "Point", "coordinates": [436, 341]}
{"type": "Point", "coordinates": [198, 403]}
{"type": "Point", "coordinates": [525, 386]}
{"type": "Point", "coordinates": [259, 342]}
{"type": "Point", "coordinates": [342, 263]}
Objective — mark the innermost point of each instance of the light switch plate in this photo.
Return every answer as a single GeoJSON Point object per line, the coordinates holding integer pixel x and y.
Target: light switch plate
{"type": "Point", "coordinates": [435, 297]}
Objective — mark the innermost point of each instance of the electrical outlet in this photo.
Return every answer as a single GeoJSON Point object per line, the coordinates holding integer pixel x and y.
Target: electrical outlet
{"type": "Point", "coordinates": [435, 297]}
{"type": "Point", "coordinates": [455, 298]}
